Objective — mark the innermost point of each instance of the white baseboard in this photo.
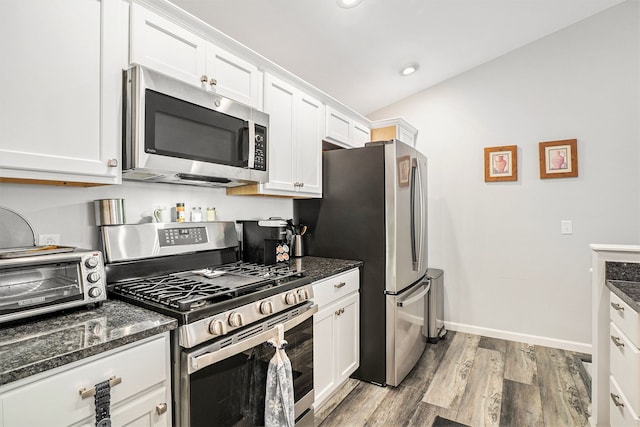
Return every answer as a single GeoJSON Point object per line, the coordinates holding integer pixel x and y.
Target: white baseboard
{"type": "Point", "coordinates": [514, 336]}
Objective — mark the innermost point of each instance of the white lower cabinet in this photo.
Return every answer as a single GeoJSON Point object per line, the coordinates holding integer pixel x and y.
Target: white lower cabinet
{"type": "Point", "coordinates": [624, 364]}
{"type": "Point", "coordinates": [53, 398]}
{"type": "Point", "coordinates": [336, 329]}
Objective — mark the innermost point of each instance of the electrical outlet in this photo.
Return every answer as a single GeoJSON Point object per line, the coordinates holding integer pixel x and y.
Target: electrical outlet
{"type": "Point", "coordinates": [48, 239]}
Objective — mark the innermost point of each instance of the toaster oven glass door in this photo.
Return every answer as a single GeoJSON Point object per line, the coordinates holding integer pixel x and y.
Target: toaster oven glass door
{"type": "Point", "coordinates": [177, 128]}
{"type": "Point", "coordinates": [26, 287]}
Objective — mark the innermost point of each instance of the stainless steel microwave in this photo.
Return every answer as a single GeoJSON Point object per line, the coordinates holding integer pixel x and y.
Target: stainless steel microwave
{"type": "Point", "coordinates": [178, 133]}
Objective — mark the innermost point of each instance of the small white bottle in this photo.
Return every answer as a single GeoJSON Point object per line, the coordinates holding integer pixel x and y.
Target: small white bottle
{"type": "Point", "coordinates": [211, 214]}
{"type": "Point", "coordinates": [196, 214]}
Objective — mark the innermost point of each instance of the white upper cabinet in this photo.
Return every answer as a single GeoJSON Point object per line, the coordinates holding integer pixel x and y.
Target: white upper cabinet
{"type": "Point", "coordinates": [295, 139]}
{"type": "Point", "coordinates": [161, 44]}
{"type": "Point", "coordinates": [60, 96]}
{"type": "Point", "coordinates": [397, 128]}
{"type": "Point", "coordinates": [344, 130]}
{"type": "Point", "coordinates": [294, 157]}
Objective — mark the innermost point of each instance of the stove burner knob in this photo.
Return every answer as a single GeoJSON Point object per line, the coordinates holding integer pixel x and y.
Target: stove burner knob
{"type": "Point", "coordinates": [303, 294]}
{"type": "Point", "coordinates": [266, 307]}
{"type": "Point", "coordinates": [235, 320]}
{"type": "Point", "coordinates": [93, 277]}
{"type": "Point", "coordinates": [216, 327]}
{"type": "Point", "coordinates": [291, 298]}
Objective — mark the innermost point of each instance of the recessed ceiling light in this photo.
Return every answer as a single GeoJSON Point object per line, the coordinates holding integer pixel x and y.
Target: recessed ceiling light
{"type": "Point", "coordinates": [348, 3]}
{"type": "Point", "coordinates": [409, 69]}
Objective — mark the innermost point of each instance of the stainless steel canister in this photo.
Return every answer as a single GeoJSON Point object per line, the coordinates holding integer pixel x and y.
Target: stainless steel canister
{"type": "Point", "coordinates": [109, 211]}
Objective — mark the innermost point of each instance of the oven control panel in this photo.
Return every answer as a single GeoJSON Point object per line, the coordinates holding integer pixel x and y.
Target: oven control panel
{"type": "Point", "coordinates": [221, 324]}
{"type": "Point", "coordinates": [182, 236]}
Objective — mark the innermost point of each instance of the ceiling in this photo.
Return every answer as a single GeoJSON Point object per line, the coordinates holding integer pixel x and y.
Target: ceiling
{"type": "Point", "coordinates": [355, 55]}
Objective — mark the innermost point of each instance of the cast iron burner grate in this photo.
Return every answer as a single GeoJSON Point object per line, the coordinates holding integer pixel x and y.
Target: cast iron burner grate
{"type": "Point", "coordinates": [276, 271]}
{"type": "Point", "coordinates": [176, 292]}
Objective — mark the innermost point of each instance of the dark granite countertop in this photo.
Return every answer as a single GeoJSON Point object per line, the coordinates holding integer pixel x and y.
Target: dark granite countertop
{"type": "Point", "coordinates": [44, 343]}
{"type": "Point", "coordinates": [320, 268]}
{"type": "Point", "coordinates": [628, 292]}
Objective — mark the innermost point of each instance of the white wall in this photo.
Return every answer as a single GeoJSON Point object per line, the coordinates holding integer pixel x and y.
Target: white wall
{"type": "Point", "coordinates": [508, 270]}
{"type": "Point", "coordinates": [69, 211]}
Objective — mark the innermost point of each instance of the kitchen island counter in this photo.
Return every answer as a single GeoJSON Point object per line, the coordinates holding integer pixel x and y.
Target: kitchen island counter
{"type": "Point", "coordinates": [30, 347]}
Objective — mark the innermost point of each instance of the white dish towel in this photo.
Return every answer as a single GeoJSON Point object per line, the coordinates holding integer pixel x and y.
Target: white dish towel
{"type": "Point", "coordinates": [279, 400]}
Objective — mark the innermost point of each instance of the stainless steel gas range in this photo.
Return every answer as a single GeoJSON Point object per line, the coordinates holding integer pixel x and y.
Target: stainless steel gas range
{"type": "Point", "coordinates": [226, 311]}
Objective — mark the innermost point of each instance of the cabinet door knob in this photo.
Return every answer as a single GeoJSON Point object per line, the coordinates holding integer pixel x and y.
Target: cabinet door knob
{"type": "Point", "coordinates": [161, 408]}
{"type": "Point", "coordinates": [617, 306]}
{"type": "Point", "coordinates": [617, 341]}
{"type": "Point", "coordinates": [112, 163]}
{"type": "Point", "coordinates": [616, 400]}
{"type": "Point", "coordinates": [213, 82]}
{"type": "Point", "coordinates": [204, 78]}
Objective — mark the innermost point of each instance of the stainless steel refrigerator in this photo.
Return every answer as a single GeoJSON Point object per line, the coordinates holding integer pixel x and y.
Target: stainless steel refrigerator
{"type": "Point", "coordinates": [374, 209]}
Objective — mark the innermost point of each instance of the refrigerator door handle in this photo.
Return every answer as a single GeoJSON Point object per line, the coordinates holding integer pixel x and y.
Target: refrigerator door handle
{"type": "Point", "coordinates": [423, 216]}
{"type": "Point", "coordinates": [415, 298]}
{"type": "Point", "coordinates": [414, 252]}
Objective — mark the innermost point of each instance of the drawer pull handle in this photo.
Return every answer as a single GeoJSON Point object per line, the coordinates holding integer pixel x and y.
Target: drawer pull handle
{"type": "Point", "coordinates": [86, 393]}
{"type": "Point", "coordinates": [616, 400]}
{"type": "Point", "coordinates": [339, 312]}
{"type": "Point", "coordinates": [161, 408]}
{"type": "Point", "coordinates": [617, 341]}
{"type": "Point", "coordinates": [617, 306]}
{"type": "Point", "coordinates": [339, 285]}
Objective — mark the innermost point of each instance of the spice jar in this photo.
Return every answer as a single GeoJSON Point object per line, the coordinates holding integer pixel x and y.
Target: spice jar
{"type": "Point", "coordinates": [196, 214]}
{"type": "Point", "coordinates": [211, 214]}
{"type": "Point", "coordinates": [180, 214]}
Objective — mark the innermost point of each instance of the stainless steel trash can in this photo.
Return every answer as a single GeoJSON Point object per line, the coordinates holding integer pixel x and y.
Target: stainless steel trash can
{"type": "Point", "coordinates": [434, 306]}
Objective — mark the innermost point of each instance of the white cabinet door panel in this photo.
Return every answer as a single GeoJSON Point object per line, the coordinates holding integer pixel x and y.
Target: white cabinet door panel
{"type": "Point", "coordinates": [60, 122]}
{"type": "Point", "coordinates": [164, 46]}
{"type": "Point", "coordinates": [348, 336]}
{"type": "Point", "coordinates": [360, 134]}
{"type": "Point", "coordinates": [309, 158]}
{"type": "Point", "coordinates": [280, 105]}
{"type": "Point", "coordinates": [324, 349]}
{"type": "Point", "coordinates": [236, 78]}
{"type": "Point", "coordinates": [338, 126]}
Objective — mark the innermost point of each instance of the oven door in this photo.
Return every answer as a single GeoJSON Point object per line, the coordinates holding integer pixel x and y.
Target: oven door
{"type": "Point", "coordinates": [224, 383]}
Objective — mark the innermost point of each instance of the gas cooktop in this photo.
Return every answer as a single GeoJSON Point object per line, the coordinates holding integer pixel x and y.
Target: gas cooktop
{"type": "Point", "coordinates": [191, 295]}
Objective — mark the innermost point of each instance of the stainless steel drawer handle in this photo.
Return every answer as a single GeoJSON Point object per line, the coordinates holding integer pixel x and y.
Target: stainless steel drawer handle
{"type": "Point", "coordinates": [617, 341]}
{"type": "Point", "coordinates": [339, 285]}
{"type": "Point", "coordinates": [86, 393]}
{"type": "Point", "coordinates": [616, 400]}
{"type": "Point", "coordinates": [161, 408]}
{"type": "Point", "coordinates": [617, 306]}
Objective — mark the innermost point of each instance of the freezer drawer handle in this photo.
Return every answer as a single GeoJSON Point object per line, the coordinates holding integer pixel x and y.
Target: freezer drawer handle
{"type": "Point", "coordinates": [617, 341]}
{"type": "Point", "coordinates": [616, 400]}
{"type": "Point", "coordinates": [339, 285]}
{"type": "Point", "coordinates": [617, 306]}
{"type": "Point", "coordinates": [415, 298]}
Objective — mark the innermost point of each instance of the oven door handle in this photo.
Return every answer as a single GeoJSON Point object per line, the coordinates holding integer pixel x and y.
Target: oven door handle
{"type": "Point", "coordinates": [195, 363]}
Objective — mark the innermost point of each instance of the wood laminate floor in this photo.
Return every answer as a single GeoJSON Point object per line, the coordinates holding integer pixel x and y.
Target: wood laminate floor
{"type": "Point", "coordinates": [474, 381]}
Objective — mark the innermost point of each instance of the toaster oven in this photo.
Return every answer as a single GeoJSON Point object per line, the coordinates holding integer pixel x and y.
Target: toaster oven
{"type": "Point", "coordinates": [33, 285]}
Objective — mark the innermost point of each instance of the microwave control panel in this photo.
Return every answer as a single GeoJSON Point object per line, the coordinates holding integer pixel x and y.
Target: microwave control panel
{"type": "Point", "coordinates": [182, 236]}
{"type": "Point", "coordinates": [260, 157]}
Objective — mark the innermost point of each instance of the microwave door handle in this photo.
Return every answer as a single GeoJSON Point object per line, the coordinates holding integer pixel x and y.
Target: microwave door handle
{"type": "Point", "coordinates": [252, 144]}
{"type": "Point", "coordinates": [414, 254]}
